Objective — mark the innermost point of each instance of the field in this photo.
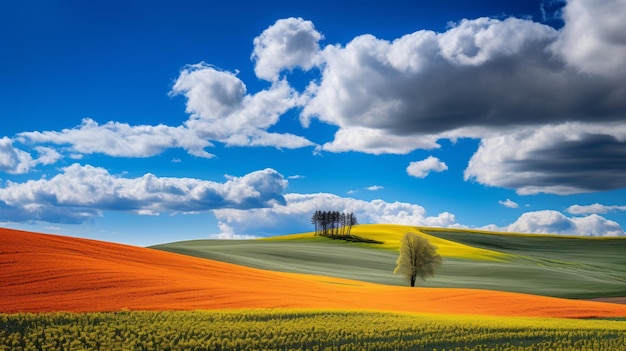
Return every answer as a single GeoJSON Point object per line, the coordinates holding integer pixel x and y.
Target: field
{"type": "Point", "coordinates": [68, 293]}
{"type": "Point", "coordinates": [542, 265]}
{"type": "Point", "coordinates": [45, 273]}
{"type": "Point", "coordinates": [301, 330]}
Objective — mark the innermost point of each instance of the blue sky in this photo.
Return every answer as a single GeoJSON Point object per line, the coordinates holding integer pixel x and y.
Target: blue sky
{"type": "Point", "coordinates": [145, 122]}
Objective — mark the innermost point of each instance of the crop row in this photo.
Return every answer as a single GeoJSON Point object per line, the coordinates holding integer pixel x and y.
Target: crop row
{"type": "Point", "coordinates": [300, 330]}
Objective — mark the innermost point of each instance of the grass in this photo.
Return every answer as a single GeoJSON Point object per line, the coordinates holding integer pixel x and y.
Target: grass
{"type": "Point", "coordinates": [573, 266]}
{"type": "Point", "coordinates": [543, 265]}
{"type": "Point", "coordinates": [295, 329]}
{"type": "Point", "coordinates": [310, 255]}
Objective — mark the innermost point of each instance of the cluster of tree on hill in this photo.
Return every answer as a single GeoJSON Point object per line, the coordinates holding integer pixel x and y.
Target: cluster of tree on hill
{"type": "Point", "coordinates": [333, 223]}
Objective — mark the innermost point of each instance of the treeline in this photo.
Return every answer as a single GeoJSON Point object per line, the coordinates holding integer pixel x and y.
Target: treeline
{"type": "Point", "coordinates": [333, 223]}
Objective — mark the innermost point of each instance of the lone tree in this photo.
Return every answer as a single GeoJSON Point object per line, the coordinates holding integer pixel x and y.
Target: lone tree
{"type": "Point", "coordinates": [418, 258]}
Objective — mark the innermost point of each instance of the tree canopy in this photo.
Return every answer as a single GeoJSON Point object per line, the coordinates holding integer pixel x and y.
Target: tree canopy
{"type": "Point", "coordinates": [418, 258]}
{"type": "Point", "coordinates": [333, 223]}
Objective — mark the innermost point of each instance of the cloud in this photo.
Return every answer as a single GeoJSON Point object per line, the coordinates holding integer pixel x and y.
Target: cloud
{"type": "Point", "coordinates": [508, 203]}
{"type": "Point", "coordinates": [13, 160]}
{"type": "Point", "coordinates": [375, 187]}
{"type": "Point", "coordinates": [478, 77]}
{"type": "Point", "coordinates": [488, 78]}
{"type": "Point", "coordinates": [377, 142]}
{"type": "Point", "coordinates": [295, 215]}
{"type": "Point", "coordinates": [593, 39]}
{"type": "Point", "coordinates": [287, 44]}
{"type": "Point", "coordinates": [47, 156]}
{"type": "Point", "coordinates": [16, 161]}
{"type": "Point", "coordinates": [595, 208]}
{"type": "Point", "coordinates": [559, 159]}
{"type": "Point", "coordinates": [548, 104]}
{"type": "Point", "coordinates": [296, 176]}
{"type": "Point", "coordinates": [227, 234]}
{"type": "Point", "coordinates": [121, 139]}
{"type": "Point", "coordinates": [221, 110]}
{"type": "Point", "coordinates": [554, 222]}
{"type": "Point", "coordinates": [83, 192]}
{"type": "Point", "coordinates": [421, 169]}
{"type": "Point", "coordinates": [219, 106]}
{"type": "Point", "coordinates": [511, 83]}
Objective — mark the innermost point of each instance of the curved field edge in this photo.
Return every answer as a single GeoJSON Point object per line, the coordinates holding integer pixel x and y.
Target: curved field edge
{"type": "Point", "coordinates": [297, 329]}
{"type": "Point", "coordinates": [40, 273]}
{"type": "Point", "coordinates": [570, 267]}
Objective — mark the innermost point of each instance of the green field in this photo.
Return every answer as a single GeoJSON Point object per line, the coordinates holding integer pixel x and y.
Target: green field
{"type": "Point", "coordinates": [301, 330]}
{"type": "Point", "coordinates": [543, 265]}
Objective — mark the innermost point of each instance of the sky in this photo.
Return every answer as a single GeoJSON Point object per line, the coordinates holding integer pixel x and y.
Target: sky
{"type": "Point", "coordinates": [145, 122]}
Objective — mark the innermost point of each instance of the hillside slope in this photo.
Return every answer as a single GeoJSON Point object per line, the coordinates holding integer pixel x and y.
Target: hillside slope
{"type": "Point", "coordinates": [50, 273]}
{"type": "Point", "coordinates": [542, 265]}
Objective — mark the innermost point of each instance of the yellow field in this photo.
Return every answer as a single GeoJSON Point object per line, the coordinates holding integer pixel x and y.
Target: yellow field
{"type": "Point", "coordinates": [298, 329]}
{"type": "Point", "coordinates": [390, 235]}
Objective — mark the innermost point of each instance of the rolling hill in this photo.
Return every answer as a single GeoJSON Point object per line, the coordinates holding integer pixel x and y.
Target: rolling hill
{"type": "Point", "coordinates": [571, 267]}
{"type": "Point", "coordinates": [40, 273]}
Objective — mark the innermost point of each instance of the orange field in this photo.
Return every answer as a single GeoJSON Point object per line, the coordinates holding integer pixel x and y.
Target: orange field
{"type": "Point", "coordinates": [41, 273]}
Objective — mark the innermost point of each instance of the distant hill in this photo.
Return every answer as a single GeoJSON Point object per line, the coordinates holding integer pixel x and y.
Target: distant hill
{"type": "Point", "coordinates": [41, 273]}
{"type": "Point", "coordinates": [573, 267]}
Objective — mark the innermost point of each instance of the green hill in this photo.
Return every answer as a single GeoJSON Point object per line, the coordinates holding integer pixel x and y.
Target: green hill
{"type": "Point", "coordinates": [538, 264]}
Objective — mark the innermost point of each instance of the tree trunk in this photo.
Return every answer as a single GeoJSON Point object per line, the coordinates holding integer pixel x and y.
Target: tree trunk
{"type": "Point", "coordinates": [413, 281]}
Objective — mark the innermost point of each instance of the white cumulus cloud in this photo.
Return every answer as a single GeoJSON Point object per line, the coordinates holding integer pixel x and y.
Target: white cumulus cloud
{"type": "Point", "coordinates": [287, 44]}
{"type": "Point", "coordinates": [421, 169]}
{"type": "Point", "coordinates": [13, 160]}
{"type": "Point", "coordinates": [479, 77]}
{"type": "Point", "coordinates": [377, 142]}
{"type": "Point", "coordinates": [17, 161]}
{"type": "Point", "coordinates": [560, 159]}
{"type": "Point", "coordinates": [47, 155]}
{"type": "Point", "coordinates": [594, 208]}
{"type": "Point", "coordinates": [425, 83]}
{"type": "Point", "coordinates": [486, 78]}
{"type": "Point", "coordinates": [121, 139]}
{"type": "Point", "coordinates": [222, 110]}
{"type": "Point", "coordinates": [548, 104]}
{"type": "Point", "coordinates": [83, 192]}
{"type": "Point", "coordinates": [554, 222]}
{"type": "Point", "coordinates": [594, 36]}
{"type": "Point", "coordinates": [508, 203]}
